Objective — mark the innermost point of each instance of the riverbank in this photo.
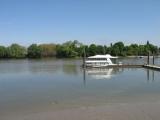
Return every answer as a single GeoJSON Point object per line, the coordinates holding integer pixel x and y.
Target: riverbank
{"type": "Point", "coordinates": [118, 111]}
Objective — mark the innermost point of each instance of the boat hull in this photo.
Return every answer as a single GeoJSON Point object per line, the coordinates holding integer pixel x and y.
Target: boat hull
{"type": "Point", "coordinates": [100, 66]}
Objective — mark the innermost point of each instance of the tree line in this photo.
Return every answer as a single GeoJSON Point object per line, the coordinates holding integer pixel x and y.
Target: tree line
{"type": "Point", "coordinates": [72, 49]}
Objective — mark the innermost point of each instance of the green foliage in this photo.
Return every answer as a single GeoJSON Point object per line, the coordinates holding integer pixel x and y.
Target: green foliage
{"type": "Point", "coordinates": [34, 51]}
{"type": "Point", "coordinates": [133, 49]}
{"type": "Point", "coordinates": [16, 51]}
{"type": "Point", "coordinates": [86, 50]}
{"type": "Point", "coordinates": [48, 50]}
{"type": "Point", "coordinates": [65, 51]}
{"type": "Point", "coordinates": [100, 49]}
{"type": "Point", "coordinates": [3, 52]}
{"type": "Point", "coordinates": [118, 49]}
{"type": "Point", "coordinates": [92, 50]}
{"type": "Point", "coordinates": [72, 49]}
{"type": "Point", "coordinates": [69, 49]}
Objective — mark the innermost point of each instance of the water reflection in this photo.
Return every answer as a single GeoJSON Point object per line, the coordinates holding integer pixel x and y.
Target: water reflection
{"type": "Point", "coordinates": [13, 66]}
{"type": "Point", "coordinates": [101, 73]}
{"type": "Point", "coordinates": [152, 76]}
{"type": "Point", "coordinates": [148, 75]}
{"type": "Point", "coordinates": [84, 77]}
{"type": "Point", "coordinates": [43, 67]}
{"type": "Point", "coordinates": [70, 69]}
{"type": "Point", "coordinates": [108, 73]}
{"type": "Point", "coordinates": [47, 66]}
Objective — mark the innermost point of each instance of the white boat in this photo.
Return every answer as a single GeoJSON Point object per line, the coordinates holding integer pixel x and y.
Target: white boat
{"type": "Point", "coordinates": [99, 61]}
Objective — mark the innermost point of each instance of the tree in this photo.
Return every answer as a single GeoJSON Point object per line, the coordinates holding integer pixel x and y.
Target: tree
{"type": "Point", "coordinates": [2, 52]}
{"type": "Point", "coordinates": [68, 49]}
{"type": "Point", "coordinates": [48, 50]}
{"type": "Point", "coordinates": [108, 50]}
{"type": "Point", "coordinates": [117, 49]}
{"type": "Point", "coordinates": [16, 51]}
{"type": "Point", "coordinates": [85, 49]}
{"type": "Point", "coordinates": [147, 42]}
{"type": "Point", "coordinates": [100, 49]}
{"type": "Point", "coordinates": [34, 51]}
{"type": "Point", "coordinates": [92, 49]}
{"type": "Point", "coordinates": [71, 49]}
{"type": "Point", "coordinates": [153, 49]}
{"type": "Point", "coordinates": [60, 51]}
{"type": "Point", "coordinates": [133, 49]}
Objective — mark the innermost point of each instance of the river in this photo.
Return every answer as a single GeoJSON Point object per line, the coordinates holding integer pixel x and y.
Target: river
{"type": "Point", "coordinates": [36, 89]}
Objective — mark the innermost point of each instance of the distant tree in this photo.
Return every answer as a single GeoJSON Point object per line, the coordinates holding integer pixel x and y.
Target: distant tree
{"type": "Point", "coordinates": [120, 45]}
{"type": "Point", "coordinates": [105, 49]}
{"type": "Point", "coordinates": [92, 49]}
{"type": "Point", "coordinates": [111, 45]}
{"type": "Point", "coordinates": [133, 49]}
{"type": "Point", "coordinates": [153, 49]}
{"type": "Point", "coordinates": [117, 49]}
{"type": "Point", "coordinates": [85, 50]}
{"type": "Point", "coordinates": [2, 52]}
{"type": "Point", "coordinates": [16, 51]}
{"type": "Point", "coordinates": [78, 48]}
{"type": "Point", "coordinates": [48, 50]}
{"type": "Point", "coordinates": [34, 51]}
{"type": "Point", "coordinates": [108, 50]}
{"type": "Point", "coordinates": [100, 49]}
{"type": "Point", "coordinates": [70, 49]}
{"type": "Point", "coordinates": [142, 50]}
{"type": "Point", "coordinates": [61, 52]}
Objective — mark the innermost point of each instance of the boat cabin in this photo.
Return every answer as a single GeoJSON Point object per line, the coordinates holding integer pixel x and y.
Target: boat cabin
{"type": "Point", "coordinates": [99, 61]}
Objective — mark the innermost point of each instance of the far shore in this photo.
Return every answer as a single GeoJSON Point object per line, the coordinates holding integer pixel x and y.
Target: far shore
{"type": "Point", "coordinates": [133, 56]}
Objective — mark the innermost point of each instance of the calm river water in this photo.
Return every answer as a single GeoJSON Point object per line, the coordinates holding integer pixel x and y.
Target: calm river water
{"type": "Point", "coordinates": [30, 86]}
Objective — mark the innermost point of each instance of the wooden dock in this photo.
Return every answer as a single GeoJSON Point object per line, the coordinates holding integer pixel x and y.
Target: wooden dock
{"type": "Point", "coordinates": [154, 67]}
{"type": "Point", "coordinates": [126, 66]}
{"type": "Point", "coordinates": [119, 66]}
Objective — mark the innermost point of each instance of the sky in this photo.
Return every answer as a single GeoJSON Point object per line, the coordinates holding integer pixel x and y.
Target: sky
{"type": "Point", "coordinates": [88, 21]}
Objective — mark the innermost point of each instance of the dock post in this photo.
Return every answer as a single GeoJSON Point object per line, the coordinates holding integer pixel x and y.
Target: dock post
{"type": "Point", "coordinates": [84, 58]}
{"type": "Point", "coordinates": [148, 58]}
{"type": "Point", "coordinates": [84, 77]}
{"type": "Point", "coordinates": [147, 75]}
{"type": "Point", "coordinates": [153, 58]}
{"type": "Point", "coordinates": [153, 76]}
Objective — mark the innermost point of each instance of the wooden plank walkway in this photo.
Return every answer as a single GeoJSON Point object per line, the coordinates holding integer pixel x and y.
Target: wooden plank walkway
{"type": "Point", "coordinates": [155, 67]}
{"type": "Point", "coordinates": [120, 66]}
{"type": "Point", "coordinates": [126, 66]}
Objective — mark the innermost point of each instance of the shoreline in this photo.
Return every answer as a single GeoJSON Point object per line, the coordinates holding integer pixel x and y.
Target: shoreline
{"type": "Point", "coordinates": [24, 58]}
{"type": "Point", "coordinates": [117, 111]}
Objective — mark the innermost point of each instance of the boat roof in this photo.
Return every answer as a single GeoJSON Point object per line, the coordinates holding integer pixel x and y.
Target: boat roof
{"type": "Point", "coordinates": [102, 56]}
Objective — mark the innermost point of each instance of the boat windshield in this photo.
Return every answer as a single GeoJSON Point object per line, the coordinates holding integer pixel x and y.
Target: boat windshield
{"type": "Point", "coordinates": [97, 59]}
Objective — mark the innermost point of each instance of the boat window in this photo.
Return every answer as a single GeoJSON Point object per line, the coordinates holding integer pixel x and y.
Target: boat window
{"type": "Point", "coordinates": [99, 59]}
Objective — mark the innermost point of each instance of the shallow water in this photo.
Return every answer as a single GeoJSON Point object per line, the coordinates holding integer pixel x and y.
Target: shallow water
{"type": "Point", "coordinates": [30, 86]}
